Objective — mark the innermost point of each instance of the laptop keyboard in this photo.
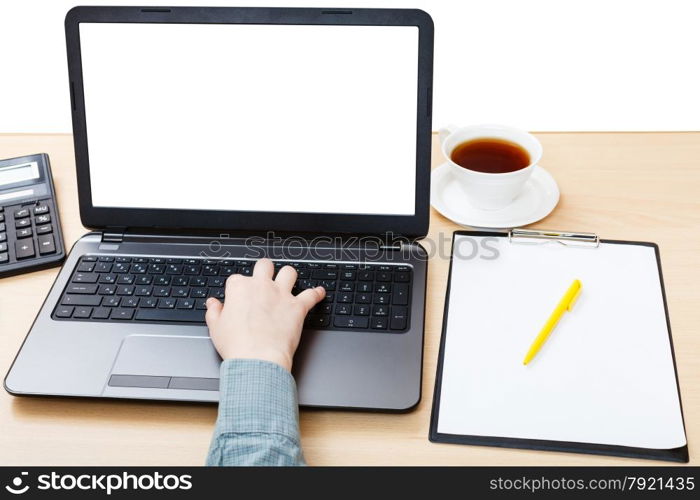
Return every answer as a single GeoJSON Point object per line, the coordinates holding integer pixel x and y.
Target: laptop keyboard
{"type": "Point", "coordinates": [371, 297]}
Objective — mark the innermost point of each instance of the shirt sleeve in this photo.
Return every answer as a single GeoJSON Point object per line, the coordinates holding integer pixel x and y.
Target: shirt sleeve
{"type": "Point", "coordinates": [258, 422]}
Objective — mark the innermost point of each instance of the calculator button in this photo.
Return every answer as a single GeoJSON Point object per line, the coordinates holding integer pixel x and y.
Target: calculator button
{"type": "Point", "coordinates": [22, 213]}
{"type": "Point", "coordinates": [3, 247]}
{"type": "Point", "coordinates": [2, 217]}
{"type": "Point", "coordinates": [46, 244]}
{"type": "Point", "coordinates": [46, 228]}
{"type": "Point", "coordinates": [2, 226]}
{"type": "Point", "coordinates": [4, 257]}
{"type": "Point", "coordinates": [23, 223]}
{"type": "Point", "coordinates": [42, 219]}
{"type": "Point", "coordinates": [24, 233]}
{"type": "Point", "coordinates": [41, 209]}
{"type": "Point", "coordinates": [24, 249]}
{"type": "Point", "coordinates": [3, 237]}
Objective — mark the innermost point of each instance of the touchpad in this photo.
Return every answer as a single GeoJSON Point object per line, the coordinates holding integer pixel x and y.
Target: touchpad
{"type": "Point", "coordinates": [166, 362]}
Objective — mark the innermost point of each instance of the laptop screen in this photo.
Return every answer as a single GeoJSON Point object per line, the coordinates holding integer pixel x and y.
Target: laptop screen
{"type": "Point", "coordinates": [278, 118]}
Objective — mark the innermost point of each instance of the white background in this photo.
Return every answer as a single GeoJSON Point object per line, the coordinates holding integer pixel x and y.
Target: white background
{"type": "Point", "coordinates": [215, 117]}
{"type": "Point", "coordinates": [537, 64]}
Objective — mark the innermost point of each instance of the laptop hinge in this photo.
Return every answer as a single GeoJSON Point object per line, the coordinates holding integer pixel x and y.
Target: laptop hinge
{"type": "Point", "coordinates": [113, 235]}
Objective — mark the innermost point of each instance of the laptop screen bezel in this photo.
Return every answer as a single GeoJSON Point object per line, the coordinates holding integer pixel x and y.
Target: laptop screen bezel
{"type": "Point", "coordinates": [412, 226]}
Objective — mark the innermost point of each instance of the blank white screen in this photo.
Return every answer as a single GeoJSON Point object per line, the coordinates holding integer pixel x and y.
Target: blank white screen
{"type": "Point", "coordinates": [317, 119]}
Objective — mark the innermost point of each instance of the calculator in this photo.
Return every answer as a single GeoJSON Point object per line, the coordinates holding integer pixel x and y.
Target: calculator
{"type": "Point", "coordinates": [30, 230]}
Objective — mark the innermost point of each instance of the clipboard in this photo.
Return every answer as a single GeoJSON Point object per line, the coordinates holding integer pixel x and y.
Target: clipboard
{"type": "Point", "coordinates": [586, 242]}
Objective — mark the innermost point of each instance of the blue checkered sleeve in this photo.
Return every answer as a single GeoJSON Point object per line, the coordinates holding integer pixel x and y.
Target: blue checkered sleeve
{"type": "Point", "coordinates": [258, 422]}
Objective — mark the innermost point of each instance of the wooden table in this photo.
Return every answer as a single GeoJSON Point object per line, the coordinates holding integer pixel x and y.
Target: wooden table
{"type": "Point", "coordinates": [623, 186]}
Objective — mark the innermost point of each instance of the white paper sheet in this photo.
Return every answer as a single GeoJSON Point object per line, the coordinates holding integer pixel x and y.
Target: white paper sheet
{"type": "Point", "coordinates": [604, 376]}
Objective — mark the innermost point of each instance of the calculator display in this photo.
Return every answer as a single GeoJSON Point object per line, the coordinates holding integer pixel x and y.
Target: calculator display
{"type": "Point", "coordinates": [18, 173]}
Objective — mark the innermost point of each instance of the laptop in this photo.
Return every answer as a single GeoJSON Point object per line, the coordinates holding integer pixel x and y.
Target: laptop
{"type": "Point", "coordinates": [207, 138]}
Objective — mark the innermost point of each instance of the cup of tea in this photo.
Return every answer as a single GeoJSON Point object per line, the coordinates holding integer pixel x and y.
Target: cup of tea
{"type": "Point", "coordinates": [492, 163]}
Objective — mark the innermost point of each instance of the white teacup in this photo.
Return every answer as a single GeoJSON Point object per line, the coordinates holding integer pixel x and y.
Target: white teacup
{"type": "Point", "coordinates": [490, 191]}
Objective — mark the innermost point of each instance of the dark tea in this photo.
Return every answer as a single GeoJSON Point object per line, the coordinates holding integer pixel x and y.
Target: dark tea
{"type": "Point", "coordinates": [490, 155]}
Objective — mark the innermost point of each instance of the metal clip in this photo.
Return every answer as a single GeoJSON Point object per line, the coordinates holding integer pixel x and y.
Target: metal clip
{"type": "Point", "coordinates": [565, 238]}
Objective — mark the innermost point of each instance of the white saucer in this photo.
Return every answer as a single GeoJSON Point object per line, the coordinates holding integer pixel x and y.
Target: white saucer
{"type": "Point", "coordinates": [537, 200]}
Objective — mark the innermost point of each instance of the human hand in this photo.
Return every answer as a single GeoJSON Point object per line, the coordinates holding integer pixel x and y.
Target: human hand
{"type": "Point", "coordinates": [261, 319]}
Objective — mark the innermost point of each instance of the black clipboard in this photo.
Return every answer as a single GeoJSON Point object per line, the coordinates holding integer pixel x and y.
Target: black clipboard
{"type": "Point", "coordinates": [674, 455]}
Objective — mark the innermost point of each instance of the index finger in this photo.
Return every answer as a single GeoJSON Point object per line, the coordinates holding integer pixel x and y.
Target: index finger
{"type": "Point", "coordinates": [263, 269]}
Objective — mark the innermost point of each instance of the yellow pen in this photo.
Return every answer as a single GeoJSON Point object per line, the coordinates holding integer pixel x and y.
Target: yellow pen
{"type": "Point", "coordinates": [565, 304]}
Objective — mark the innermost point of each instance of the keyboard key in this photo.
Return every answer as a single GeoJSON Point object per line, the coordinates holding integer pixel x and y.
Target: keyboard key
{"type": "Point", "coordinates": [149, 302]}
{"type": "Point", "coordinates": [399, 318]}
{"type": "Point", "coordinates": [24, 249]}
{"type": "Point", "coordinates": [162, 280]}
{"type": "Point", "coordinates": [180, 281]}
{"type": "Point", "coordinates": [400, 295]}
{"type": "Point", "coordinates": [185, 303]}
{"type": "Point", "coordinates": [125, 290]}
{"type": "Point", "coordinates": [130, 302]}
{"type": "Point", "coordinates": [343, 309]}
{"type": "Point", "coordinates": [4, 257]}
{"type": "Point", "coordinates": [81, 289]}
{"type": "Point", "coordinates": [382, 288]}
{"type": "Point", "coordinates": [107, 279]}
{"type": "Point", "coordinates": [317, 320]}
{"type": "Point", "coordinates": [156, 269]}
{"type": "Point", "coordinates": [64, 311]}
{"type": "Point", "coordinates": [111, 301]}
{"type": "Point", "coordinates": [363, 298]}
{"type": "Point", "coordinates": [402, 277]}
{"type": "Point", "coordinates": [345, 297]}
{"type": "Point", "coordinates": [123, 314]}
{"type": "Point", "coordinates": [379, 323]}
{"type": "Point", "coordinates": [120, 268]}
{"type": "Point", "coordinates": [107, 290]}
{"type": "Point", "coordinates": [165, 315]}
{"type": "Point", "coordinates": [361, 310]}
{"type": "Point", "coordinates": [322, 274]}
{"type": "Point", "coordinates": [144, 279]}
{"type": "Point", "coordinates": [101, 313]}
{"type": "Point", "coordinates": [383, 276]}
{"type": "Point", "coordinates": [82, 312]}
{"type": "Point", "coordinates": [365, 275]}
{"type": "Point", "coordinates": [81, 300]}
{"type": "Point", "coordinates": [122, 259]}
{"type": "Point", "coordinates": [381, 298]}
{"type": "Point", "coordinates": [3, 237]}
{"type": "Point", "coordinates": [167, 303]}
{"type": "Point", "coordinates": [347, 275]}
{"type": "Point", "coordinates": [364, 287]}
{"type": "Point", "coordinates": [86, 267]}
{"type": "Point", "coordinates": [350, 322]}
{"type": "Point", "coordinates": [139, 268]}
{"type": "Point", "coordinates": [3, 247]}
{"type": "Point", "coordinates": [105, 258]}
{"type": "Point", "coordinates": [161, 291]}
{"type": "Point", "coordinates": [103, 267]}
{"type": "Point", "coordinates": [380, 311]}
{"type": "Point", "coordinates": [125, 279]}
{"type": "Point", "coordinates": [85, 278]}
{"type": "Point", "coordinates": [143, 291]}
